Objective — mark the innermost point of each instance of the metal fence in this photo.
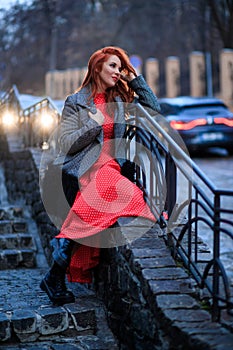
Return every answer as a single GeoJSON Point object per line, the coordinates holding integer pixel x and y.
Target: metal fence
{"type": "Point", "coordinates": [185, 202]}
{"type": "Point", "coordinates": [175, 186]}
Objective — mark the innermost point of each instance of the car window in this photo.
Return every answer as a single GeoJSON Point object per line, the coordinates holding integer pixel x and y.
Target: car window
{"type": "Point", "coordinates": [211, 110]}
{"type": "Point", "coordinates": [167, 109]}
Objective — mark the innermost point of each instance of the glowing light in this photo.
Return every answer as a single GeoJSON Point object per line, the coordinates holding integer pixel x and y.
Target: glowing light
{"type": "Point", "coordinates": [180, 125]}
{"type": "Point", "coordinates": [45, 145]}
{"type": "Point", "coordinates": [9, 119]}
{"type": "Point", "coordinates": [46, 120]}
{"type": "Point", "coordinates": [226, 121]}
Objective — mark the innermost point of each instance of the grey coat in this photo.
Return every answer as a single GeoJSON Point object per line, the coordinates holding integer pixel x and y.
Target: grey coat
{"type": "Point", "coordinates": [81, 134]}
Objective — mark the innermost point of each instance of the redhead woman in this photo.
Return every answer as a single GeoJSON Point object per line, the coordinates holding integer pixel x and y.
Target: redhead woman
{"type": "Point", "coordinates": [93, 126]}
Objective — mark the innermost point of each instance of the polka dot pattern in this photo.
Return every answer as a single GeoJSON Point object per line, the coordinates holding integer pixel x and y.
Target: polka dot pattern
{"type": "Point", "coordinates": [105, 196]}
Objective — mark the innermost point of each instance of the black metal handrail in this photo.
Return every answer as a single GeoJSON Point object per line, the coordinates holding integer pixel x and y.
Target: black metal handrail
{"type": "Point", "coordinates": [201, 209]}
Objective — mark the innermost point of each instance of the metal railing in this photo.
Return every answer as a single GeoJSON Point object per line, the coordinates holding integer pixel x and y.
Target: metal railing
{"type": "Point", "coordinates": [10, 102]}
{"type": "Point", "coordinates": [11, 99]}
{"type": "Point", "coordinates": [34, 123]}
{"type": "Point", "coordinates": [39, 120]}
{"type": "Point", "coordinates": [174, 185]}
{"type": "Point", "coordinates": [185, 202]}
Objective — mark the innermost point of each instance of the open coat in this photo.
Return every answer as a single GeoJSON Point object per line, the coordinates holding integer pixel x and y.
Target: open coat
{"type": "Point", "coordinates": [79, 133]}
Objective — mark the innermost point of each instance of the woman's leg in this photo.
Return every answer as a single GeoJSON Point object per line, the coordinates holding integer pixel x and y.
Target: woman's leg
{"type": "Point", "coordinates": [54, 281]}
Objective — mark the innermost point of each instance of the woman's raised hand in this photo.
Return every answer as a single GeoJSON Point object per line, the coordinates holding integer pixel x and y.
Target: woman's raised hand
{"type": "Point", "coordinates": [128, 77]}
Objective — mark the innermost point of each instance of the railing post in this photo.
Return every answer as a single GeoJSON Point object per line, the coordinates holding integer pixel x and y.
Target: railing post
{"type": "Point", "coordinates": [171, 181]}
{"type": "Point", "coordinates": [216, 253]}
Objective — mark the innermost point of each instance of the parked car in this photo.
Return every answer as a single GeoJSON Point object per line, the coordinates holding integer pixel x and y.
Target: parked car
{"type": "Point", "coordinates": [202, 122]}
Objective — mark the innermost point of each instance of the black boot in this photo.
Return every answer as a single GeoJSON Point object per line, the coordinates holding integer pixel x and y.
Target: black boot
{"type": "Point", "coordinates": [55, 287]}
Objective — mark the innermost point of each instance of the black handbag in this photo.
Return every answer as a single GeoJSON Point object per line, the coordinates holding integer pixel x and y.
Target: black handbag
{"type": "Point", "coordinates": [59, 187]}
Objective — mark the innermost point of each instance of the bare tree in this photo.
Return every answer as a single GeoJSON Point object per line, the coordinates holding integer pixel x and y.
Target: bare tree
{"type": "Point", "coordinates": [55, 34]}
{"type": "Point", "coordinates": [222, 12]}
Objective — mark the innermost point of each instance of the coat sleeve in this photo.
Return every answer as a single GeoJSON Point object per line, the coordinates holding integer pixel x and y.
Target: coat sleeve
{"type": "Point", "coordinates": [146, 97]}
{"type": "Point", "coordinates": [77, 130]}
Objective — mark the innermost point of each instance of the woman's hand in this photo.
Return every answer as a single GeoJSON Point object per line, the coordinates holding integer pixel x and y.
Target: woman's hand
{"type": "Point", "coordinates": [128, 77]}
{"type": "Point", "coordinates": [98, 117]}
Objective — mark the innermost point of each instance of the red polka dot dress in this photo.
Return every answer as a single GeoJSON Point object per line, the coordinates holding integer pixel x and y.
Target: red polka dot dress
{"type": "Point", "coordinates": [105, 196]}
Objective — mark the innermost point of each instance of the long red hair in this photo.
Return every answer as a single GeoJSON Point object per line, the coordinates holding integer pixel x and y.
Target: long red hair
{"type": "Point", "coordinates": [95, 65]}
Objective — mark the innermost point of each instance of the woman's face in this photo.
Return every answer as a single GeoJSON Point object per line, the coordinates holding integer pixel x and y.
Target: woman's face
{"type": "Point", "coordinates": [110, 73]}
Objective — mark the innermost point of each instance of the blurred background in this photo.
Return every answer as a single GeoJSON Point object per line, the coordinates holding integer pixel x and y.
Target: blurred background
{"type": "Point", "coordinates": [37, 36]}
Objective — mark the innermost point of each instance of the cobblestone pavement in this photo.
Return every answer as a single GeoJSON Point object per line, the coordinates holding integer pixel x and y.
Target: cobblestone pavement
{"type": "Point", "coordinates": [19, 290]}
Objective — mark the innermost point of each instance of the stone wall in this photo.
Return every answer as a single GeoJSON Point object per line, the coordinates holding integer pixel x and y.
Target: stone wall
{"type": "Point", "coordinates": [22, 181]}
{"type": "Point", "coordinates": [151, 301]}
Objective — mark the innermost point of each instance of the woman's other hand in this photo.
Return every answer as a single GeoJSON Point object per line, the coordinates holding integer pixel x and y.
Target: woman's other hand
{"type": "Point", "coordinates": [98, 117]}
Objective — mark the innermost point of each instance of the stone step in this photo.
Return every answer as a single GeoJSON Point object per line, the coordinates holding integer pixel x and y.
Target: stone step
{"type": "Point", "coordinates": [30, 321]}
{"type": "Point", "coordinates": [11, 212]}
{"type": "Point", "coordinates": [13, 258]}
{"type": "Point", "coordinates": [80, 323]}
{"type": "Point", "coordinates": [86, 342]}
{"type": "Point", "coordinates": [16, 241]}
{"type": "Point", "coordinates": [13, 226]}
{"type": "Point", "coordinates": [29, 325]}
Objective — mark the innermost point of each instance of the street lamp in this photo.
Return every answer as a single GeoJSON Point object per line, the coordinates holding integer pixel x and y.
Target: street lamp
{"type": "Point", "coordinates": [43, 125]}
{"type": "Point", "coordinates": [9, 120]}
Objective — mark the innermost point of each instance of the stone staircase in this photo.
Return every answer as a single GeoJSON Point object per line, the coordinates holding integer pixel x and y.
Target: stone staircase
{"type": "Point", "coordinates": [17, 245]}
{"type": "Point", "coordinates": [28, 320]}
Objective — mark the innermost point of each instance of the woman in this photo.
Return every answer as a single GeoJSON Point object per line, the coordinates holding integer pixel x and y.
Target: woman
{"type": "Point", "coordinates": [93, 125]}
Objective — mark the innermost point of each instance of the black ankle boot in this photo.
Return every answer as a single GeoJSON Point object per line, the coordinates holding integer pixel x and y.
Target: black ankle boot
{"type": "Point", "coordinates": [55, 287]}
